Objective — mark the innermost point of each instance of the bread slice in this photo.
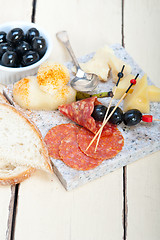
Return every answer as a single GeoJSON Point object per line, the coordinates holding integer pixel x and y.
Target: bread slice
{"type": "Point", "coordinates": [11, 174]}
{"type": "Point", "coordinates": [22, 148]}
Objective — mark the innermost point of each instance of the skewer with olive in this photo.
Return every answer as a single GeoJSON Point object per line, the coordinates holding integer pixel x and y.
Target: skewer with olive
{"type": "Point", "coordinates": [130, 118]}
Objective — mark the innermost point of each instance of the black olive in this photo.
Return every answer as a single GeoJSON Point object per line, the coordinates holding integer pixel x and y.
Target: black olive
{"type": "Point", "coordinates": [117, 116]}
{"type": "Point", "coordinates": [4, 47]}
{"type": "Point", "coordinates": [31, 33]}
{"type": "Point", "coordinates": [2, 37]}
{"type": "Point", "coordinates": [22, 48]}
{"type": "Point", "coordinates": [29, 58]}
{"type": "Point", "coordinates": [9, 59]}
{"type": "Point", "coordinates": [15, 35]}
{"type": "Point", "coordinates": [39, 45]}
{"type": "Point", "coordinates": [99, 112]}
{"type": "Point", "coordinates": [132, 117]}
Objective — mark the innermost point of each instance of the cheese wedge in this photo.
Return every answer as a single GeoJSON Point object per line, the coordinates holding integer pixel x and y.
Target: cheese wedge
{"type": "Point", "coordinates": [99, 63]}
{"type": "Point", "coordinates": [154, 93]}
{"type": "Point", "coordinates": [139, 97]}
{"type": "Point", "coordinates": [103, 61]}
{"type": "Point", "coordinates": [116, 66]}
{"type": "Point", "coordinates": [122, 86]}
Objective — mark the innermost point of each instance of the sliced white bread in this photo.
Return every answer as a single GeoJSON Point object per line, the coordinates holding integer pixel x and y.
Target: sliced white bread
{"type": "Point", "coordinates": [11, 174]}
{"type": "Point", "coordinates": [22, 148]}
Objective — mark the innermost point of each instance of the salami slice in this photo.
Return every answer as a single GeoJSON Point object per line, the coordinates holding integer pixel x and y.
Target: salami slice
{"type": "Point", "coordinates": [80, 112]}
{"type": "Point", "coordinates": [55, 135]}
{"type": "Point", "coordinates": [108, 147]}
{"type": "Point", "coordinates": [72, 156]}
{"type": "Point", "coordinates": [108, 129]}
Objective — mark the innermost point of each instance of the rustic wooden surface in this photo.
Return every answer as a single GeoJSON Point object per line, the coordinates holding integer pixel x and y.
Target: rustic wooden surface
{"type": "Point", "coordinates": [125, 203]}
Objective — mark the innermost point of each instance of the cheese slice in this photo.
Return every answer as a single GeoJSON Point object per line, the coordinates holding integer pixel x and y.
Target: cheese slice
{"type": "Point", "coordinates": [139, 97]}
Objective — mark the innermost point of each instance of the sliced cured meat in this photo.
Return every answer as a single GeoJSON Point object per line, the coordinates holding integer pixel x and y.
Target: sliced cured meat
{"type": "Point", "coordinates": [108, 147]}
{"type": "Point", "coordinates": [108, 129]}
{"type": "Point", "coordinates": [55, 135]}
{"type": "Point", "coordinates": [72, 156]}
{"type": "Point", "coordinates": [81, 111]}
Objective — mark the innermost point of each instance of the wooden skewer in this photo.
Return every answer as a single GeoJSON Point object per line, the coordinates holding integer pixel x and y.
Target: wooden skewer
{"type": "Point", "coordinates": [120, 75]}
{"type": "Point", "coordinates": [156, 120]}
{"type": "Point", "coordinates": [101, 129]}
{"type": "Point", "coordinates": [106, 121]}
{"type": "Point", "coordinates": [112, 112]}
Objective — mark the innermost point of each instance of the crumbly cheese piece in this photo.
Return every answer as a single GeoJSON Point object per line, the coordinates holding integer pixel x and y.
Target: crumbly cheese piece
{"type": "Point", "coordinates": [138, 99]}
{"type": "Point", "coordinates": [103, 61]}
{"type": "Point", "coordinates": [99, 63]}
{"type": "Point", "coordinates": [116, 66]}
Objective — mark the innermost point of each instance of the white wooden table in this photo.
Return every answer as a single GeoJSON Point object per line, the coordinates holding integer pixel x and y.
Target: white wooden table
{"type": "Point", "coordinates": [126, 203]}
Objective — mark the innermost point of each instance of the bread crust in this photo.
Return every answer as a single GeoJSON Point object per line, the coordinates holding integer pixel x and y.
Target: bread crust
{"type": "Point", "coordinates": [12, 180]}
{"type": "Point", "coordinates": [48, 164]}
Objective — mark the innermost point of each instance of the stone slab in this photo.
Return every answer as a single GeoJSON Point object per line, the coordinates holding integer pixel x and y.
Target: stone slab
{"type": "Point", "coordinates": [139, 141]}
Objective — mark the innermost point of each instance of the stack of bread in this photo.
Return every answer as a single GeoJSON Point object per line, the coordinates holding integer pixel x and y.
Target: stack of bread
{"type": "Point", "coordinates": [22, 149]}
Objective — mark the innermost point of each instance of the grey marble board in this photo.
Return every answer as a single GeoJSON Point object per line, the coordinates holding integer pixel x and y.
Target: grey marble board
{"type": "Point", "coordinates": [139, 140]}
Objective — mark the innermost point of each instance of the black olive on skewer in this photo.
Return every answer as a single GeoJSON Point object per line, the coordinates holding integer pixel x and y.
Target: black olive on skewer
{"type": "Point", "coordinates": [117, 116]}
{"type": "Point", "coordinates": [132, 117]}
{"type": "Point", "coordinates": [99, 112]}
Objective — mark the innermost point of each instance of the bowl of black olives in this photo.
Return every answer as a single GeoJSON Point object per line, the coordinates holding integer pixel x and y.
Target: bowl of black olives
{"type": "Point", "coordinates": [24, 47]}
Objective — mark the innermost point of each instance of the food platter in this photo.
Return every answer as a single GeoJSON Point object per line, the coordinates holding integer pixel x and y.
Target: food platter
{"type": "Point", "coordinates": [139, 140]}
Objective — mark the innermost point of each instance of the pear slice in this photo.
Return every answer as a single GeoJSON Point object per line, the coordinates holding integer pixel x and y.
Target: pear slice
{"type": "Point", "coordinates": [139, 97]}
